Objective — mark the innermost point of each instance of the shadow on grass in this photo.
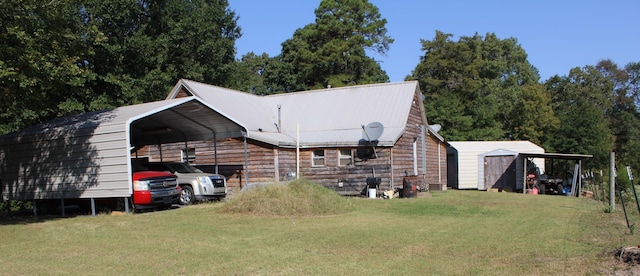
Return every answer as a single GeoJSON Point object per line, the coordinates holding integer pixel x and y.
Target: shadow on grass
{"type": "Point", "coordinates": [28, 216]}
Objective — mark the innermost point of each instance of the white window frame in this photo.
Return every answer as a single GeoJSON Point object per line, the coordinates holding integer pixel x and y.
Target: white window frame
{"type": "Point", "coordinates": [188, 155]}
{"type": "Point", "coordinates": [318, 160]}
{"type": "Point", "coordinates": [342, 157]}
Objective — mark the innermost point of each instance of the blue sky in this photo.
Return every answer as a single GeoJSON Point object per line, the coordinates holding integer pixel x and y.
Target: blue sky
{"type": "Point", "coordinates": [557, 35]}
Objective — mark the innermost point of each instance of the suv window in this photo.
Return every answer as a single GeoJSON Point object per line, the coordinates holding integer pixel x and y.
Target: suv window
{"type": "Point", "coordinates": [174, 167]}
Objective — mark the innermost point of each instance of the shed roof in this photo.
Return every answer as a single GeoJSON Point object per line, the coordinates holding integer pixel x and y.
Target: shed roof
{"type": "Point", "coordinates": [485, 146]}
{"type": "Point", "coordinates": [330, 117]}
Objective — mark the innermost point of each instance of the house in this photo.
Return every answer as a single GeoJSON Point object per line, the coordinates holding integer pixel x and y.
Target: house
{"type": "Point", "coordinates": [320, 135]}
{"type": "Point", "coordinates": [486, 165]}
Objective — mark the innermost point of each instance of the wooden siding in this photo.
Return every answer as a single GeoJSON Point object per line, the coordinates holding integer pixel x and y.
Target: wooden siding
{"type": "Point", "coordinates": [352, 178]}
{"type": "Point", "coordinates": [431, 166]}
{"type": "Point", "coordinates": [230, 152]}
{"type": "Point", "coordinates": [436, 161]}
{"type": "Point", "coordinates": [262, 164]}
{"type": "Point", "coordinates": [183, 93]}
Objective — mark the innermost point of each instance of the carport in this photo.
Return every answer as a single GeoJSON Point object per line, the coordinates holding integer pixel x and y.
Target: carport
{"type": "Point", "coordinates": [88, 156]}
{"type": "Point", "coordinates": [561, 156]}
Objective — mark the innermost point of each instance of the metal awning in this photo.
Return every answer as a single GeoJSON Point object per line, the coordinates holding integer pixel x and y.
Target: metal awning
{"type": "Point", "coordinates": [568, 156]}
{"type": "Point", "coordinates": [563, 156]}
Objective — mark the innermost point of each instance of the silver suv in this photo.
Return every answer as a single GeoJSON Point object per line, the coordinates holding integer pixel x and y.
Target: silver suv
{"type": "Point", "coordinates": [196, 185]}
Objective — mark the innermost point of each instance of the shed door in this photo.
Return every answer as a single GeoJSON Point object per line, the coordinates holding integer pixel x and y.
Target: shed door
{"type": "Point", "coordinates": [500, 172]}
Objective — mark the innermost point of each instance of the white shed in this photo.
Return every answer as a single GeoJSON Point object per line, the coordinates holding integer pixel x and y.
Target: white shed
{"type": "Point", "coordinates": [487, 165]}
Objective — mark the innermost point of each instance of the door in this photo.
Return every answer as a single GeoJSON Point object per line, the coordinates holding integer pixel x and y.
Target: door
{"type": "Point", "coordinates": [500, 172]}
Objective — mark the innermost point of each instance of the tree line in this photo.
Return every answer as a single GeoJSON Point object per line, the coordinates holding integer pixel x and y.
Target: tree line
{"type": "Point", "coordinates": [67, 56]}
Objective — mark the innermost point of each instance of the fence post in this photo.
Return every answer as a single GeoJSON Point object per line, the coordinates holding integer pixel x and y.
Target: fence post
{"type": "Point", "coordinates": [612, 181]}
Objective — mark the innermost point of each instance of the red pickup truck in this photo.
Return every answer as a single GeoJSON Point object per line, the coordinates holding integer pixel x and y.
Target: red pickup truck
{"type": "Point", "coordinates": [153, 189]}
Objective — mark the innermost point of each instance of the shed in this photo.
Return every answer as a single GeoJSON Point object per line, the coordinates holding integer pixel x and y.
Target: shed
{"type": "Point", "coordinates": [486, 165]}
{"type": "Point", "coordinates": [89, 155]}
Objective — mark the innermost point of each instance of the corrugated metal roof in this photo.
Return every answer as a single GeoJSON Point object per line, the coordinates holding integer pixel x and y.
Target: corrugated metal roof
{"type": "Point", "coordinates": [325, 117]}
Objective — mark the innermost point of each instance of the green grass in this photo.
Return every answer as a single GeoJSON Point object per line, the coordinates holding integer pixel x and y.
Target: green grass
{"type": "Point", "coordinates": [449, 233]}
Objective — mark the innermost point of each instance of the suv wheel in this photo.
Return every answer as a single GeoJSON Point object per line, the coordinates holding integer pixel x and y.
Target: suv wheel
{"type": "Point", "coordinates": [186, 196]}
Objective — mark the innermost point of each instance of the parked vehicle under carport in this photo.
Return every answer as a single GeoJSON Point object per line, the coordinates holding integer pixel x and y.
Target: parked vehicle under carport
{"type": "Point", "coordinates": [196, 185]}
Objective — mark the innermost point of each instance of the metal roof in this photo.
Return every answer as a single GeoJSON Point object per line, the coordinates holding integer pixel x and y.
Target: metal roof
{"type": "Point", "coordinates": [485, 146]}
{"type": "Point", "coordinates": [330, 117]}
{"type": "Point", "coordinates": [567, 156]}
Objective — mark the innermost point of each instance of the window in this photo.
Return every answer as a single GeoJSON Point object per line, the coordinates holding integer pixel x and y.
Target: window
{"type": "Point", "coordinates": [345, 157]}
{"type": "Point", "coordinates": [188, 155]}
{"type": "Point", "coordinates": [318, 158]}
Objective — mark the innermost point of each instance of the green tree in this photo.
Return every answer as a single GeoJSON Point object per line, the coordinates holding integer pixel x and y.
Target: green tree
{"type": "Point", "coordinates": [633, 72]}
{"type": "Point", "coordinates": [583, 101]}
{"type": "Point", "coordinates": [63, 57]}
{"type": "Point", "coordinates": [333, 50]}
{"type": "Point", "coordinates": [531, 114]}
{"type": "Point", "coordinates": [42, 48]}
{"type": "Point", "coordinates": [262, 75]}
{"type": "Point", "coordinates": [487, 81]}
{"type": "Point", "coordinates": [151, 44]}
{"type": "Point", "coordinates": [624, 117]}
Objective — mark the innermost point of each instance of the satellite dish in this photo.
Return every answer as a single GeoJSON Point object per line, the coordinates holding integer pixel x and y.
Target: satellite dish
{"type": "Point", "coordinates": [372, 131]}
{"type": "Point", "coordinates": [435, 127]}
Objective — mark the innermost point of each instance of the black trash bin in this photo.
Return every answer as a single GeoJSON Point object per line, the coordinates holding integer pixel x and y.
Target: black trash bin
{"type": "Point", "coordinates": [408, 187]}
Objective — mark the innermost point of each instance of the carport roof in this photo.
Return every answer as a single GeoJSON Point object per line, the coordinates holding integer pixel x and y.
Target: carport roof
{"type": "Point", "coordinates": [188, 120]}
{"type": "Point", "coordinates": [167, 121]}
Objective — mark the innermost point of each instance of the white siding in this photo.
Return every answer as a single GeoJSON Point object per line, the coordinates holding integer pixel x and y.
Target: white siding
{"type": "Point", "coordinates": [471, 170]}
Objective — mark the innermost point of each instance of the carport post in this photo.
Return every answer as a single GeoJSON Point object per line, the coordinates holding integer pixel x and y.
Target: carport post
{"type": "Point", "coordinates": [35, 207]}
{"type": "Point", "coordinates": [64, 214]}
{"type": "Point", "coordinates": [126, 205]}
{"type": "Point", "coordinates": [93, 207]}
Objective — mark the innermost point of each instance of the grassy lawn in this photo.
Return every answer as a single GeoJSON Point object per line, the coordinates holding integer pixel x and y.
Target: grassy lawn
{"type": "Point", "coordinates": [452, 232]}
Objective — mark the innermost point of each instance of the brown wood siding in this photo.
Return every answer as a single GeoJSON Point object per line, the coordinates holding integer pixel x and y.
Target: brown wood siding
{"type": "Point", "coordinates": [183, 93]}
{"type": "Point", "coordinates": [230, 153]}
{"type": "Point", "coordinates": [436, 161]}
{"type": "Point", "coordinates": [353, 178]}
{"type": "Point", "coordinates": [500, 173]}
{"type": "Point", "coordinates": [403, 159]}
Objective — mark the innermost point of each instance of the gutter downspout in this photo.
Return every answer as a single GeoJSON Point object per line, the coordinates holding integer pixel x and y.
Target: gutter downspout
{"type": "Point", "coordinates": [298, 151]}
{"type": "Point", "coordinates": [246, 160]}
